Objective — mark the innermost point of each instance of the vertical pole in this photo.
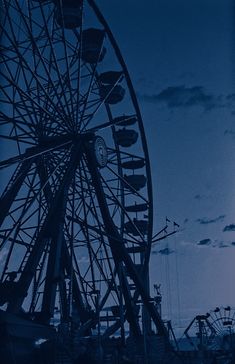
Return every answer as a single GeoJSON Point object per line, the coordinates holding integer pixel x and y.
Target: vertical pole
{"type": "Point", "coordinates": [100, 349]}
{"type": "Point", "coordinates": [123, 340]}
{"type": "Point", "coordinates": [144, 334]}
{"type": "Point", "coordinates": [146, 319]}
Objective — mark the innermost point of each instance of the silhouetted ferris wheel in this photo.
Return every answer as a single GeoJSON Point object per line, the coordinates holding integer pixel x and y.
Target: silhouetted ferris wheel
{"type": "Point", "coordinates": [76, 195]}
{"type": "Point", "coordinates": [213, 331]}
{"type": "Point", "coordinates": [223, 321]}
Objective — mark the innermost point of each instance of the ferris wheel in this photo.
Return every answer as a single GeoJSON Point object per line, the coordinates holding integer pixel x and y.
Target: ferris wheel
{"type": "Point", "coordinates": [76, 196]}
{"type": "Point", "coordinates": [213, 331]}
{"type": "Point", "coordinates": [223, 321]}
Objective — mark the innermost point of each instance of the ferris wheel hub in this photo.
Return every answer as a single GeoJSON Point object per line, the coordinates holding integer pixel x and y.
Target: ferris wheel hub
{"type": "Point", "coordinates": [100, 151]}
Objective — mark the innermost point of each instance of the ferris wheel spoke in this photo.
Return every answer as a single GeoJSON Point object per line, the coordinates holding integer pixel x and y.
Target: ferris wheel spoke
{"type": "Point", "coordinates": [94, 230]}
{"type": "Point", "coordinates": [68, 73]}
{"type": "Point", "coordinates": [11, 193]}
{"type": "Point", "coordinates": [103, 126]}
{"type": "Point", "coordinates": [24, 202]}
{"type": "Point", "coordinates": [125, 183]}
{"type": "Point", "coordinates": [16, 87]}
{"type": "Point", "coordinates": [20, 139]}
{"type": "Point", "coordinates": [24, 96]}
{"type": "Point", "coordinates": [123, 154]}
{"type": "Point", "coordinates": [6, 7]}
{"type": "Point", "coordinates": [23, 122]}
{"type": "Point", "coordinates": [27, 15]}
{"type": "Point", "coordinates": [89, 90]}
{"type": "Point", "coordinates": [17, 123]}
{"type": "Point", "coordinates": [100, 104]}
{"type": "Point", "coordinates": [66, 255]}
{"type": "Point", "coordinates": [21, 215]}
{"type": "Point", "coordinates": [90, 267]}
{"type": "Point", "coordinates": [92, 71]}
{"type": "Point", "coordinates": [15, 241]}
{"type": "Point", "coordinates": [32, 153]}
{"type": "Point", "coordinates": [94, 259]}
{"type": "Point", "coordinates": [92, 208]}
{"type": "Point", "coordinates": [112, 287]}
{"type": "Point", "coordinates": [39, 246]}
{"type": "Point", "coordinates": [26, 65]}
{"type": "Point", "coordinates": [121, 179]}
{"type": "Point", "coordinates": [113, 237]}
{"type": "Point", "coordinates": [79, 72]}
{"type": "Point", "coordinates": [217, 324]}
{"type": "Point", "coordinates": [233, 317]}
{"type": "Point", "coordinates": [38, 282]}
{"type": "Point", "coordinates": [35, 62]}
{"type": "Point", "coordinates": [126, 214]}
{"type": "Point", "coordinates": [85, 178]}
{"type": "Point", "coordinates": [19, 223]}
{"type": "Point", "coordinates": [111, 201]}
{"type": "Point", "coordinates": [20, 56]}
{"type": "Point", "coordinates": [79, 290]}
{"type": "Point", "coordinates": [55, 62]}
{"type": "Point", "coordinates": [18, 74]}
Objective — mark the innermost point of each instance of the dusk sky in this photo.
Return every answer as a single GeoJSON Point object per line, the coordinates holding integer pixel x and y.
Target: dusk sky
{"type": "Point", "coordinates": [181, 56]}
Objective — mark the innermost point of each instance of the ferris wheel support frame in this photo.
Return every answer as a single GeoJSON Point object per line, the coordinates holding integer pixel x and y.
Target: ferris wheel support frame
{"type": "Point", "coordinates": [119, 251]}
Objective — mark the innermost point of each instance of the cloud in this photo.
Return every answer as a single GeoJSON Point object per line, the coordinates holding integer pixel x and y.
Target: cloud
{"type": "Point", "coordinates": [204, 242]}
{"type": "Point", "coordinates": [210, 221]}
{"type": "Point", "coordinates": [230, 97]}
{"type": "Point", "coordinates": [165, 251]}
{"type": "Point", "coordinates": [185, 97]}
{"type": "Point", "coordinates": [198, 197]}
{"type": "Point", "coordinates": [222, 245]}
{"type": "Point", "coordinates": [230, 227]}
{"type": "Point", "coordinates": [229, 132]}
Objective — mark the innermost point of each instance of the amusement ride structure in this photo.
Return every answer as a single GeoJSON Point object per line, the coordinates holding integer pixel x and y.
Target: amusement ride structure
{"type": "Point", "coordinates": [213, 331]}
{"type": "Point", "coordinates": [76, 206]}
{"type": "Point", "coordinates": [76, 209]}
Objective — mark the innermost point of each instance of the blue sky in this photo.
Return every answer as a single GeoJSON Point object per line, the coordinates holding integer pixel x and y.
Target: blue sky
{"type": "Point", "coordinates": [181, 57]}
